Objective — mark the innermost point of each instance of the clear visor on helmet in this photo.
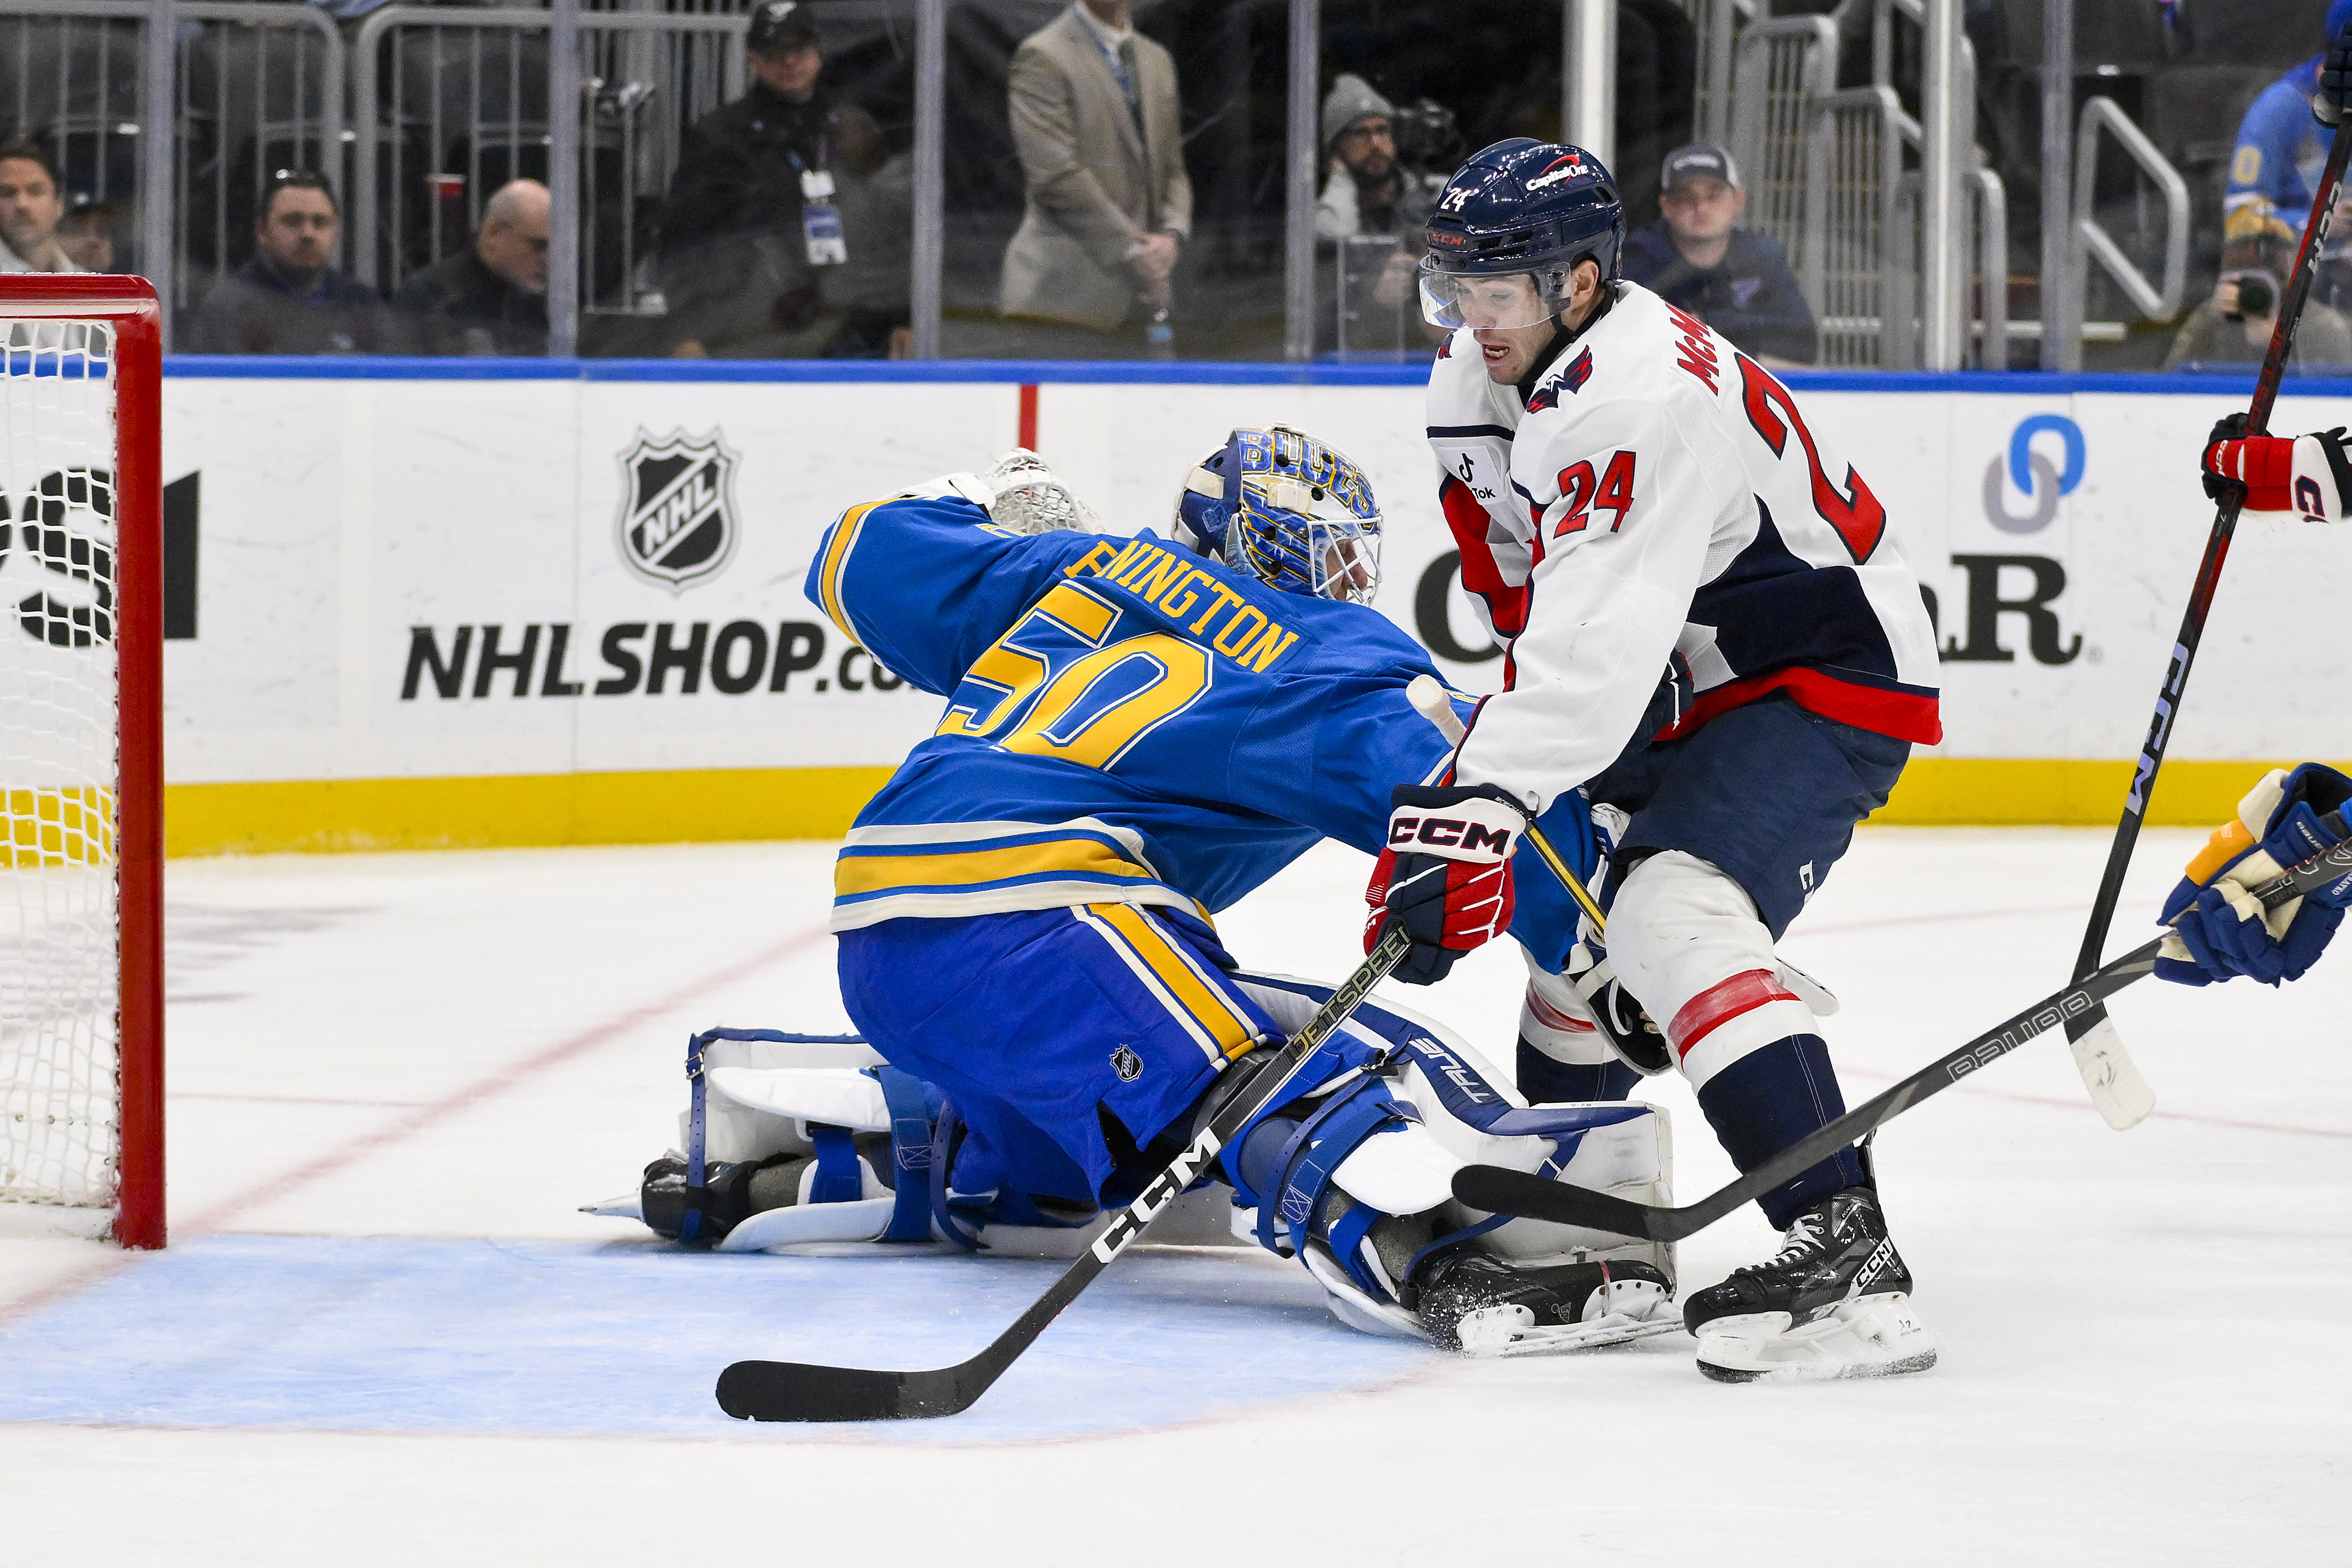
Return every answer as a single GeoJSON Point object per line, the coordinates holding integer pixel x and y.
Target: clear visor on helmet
{"type": "Point", "coordinates": [1487, 300]}
{"type": "Point", "coordinates": [1302, 540]}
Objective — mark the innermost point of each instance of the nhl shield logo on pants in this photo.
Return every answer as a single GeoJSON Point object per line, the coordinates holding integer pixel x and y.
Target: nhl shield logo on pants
{"type": "Point", "coordinates": [677, 506]}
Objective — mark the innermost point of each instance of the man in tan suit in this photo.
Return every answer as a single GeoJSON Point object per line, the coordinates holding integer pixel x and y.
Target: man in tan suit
{"type": "Point", "coordinates": [1095, 119]}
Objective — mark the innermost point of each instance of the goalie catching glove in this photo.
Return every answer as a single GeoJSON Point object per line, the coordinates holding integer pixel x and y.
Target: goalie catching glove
{"type": "Point", "coordinates": [1445, 874]}
{"type": "Point", "coordinates": [2309, 476]}
{"type": "Point", "coordinates": [2222, 930]}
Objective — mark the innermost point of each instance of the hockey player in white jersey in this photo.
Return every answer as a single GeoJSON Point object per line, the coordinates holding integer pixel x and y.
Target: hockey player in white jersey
{"type": "Point", "coordinates": [1631, 496]}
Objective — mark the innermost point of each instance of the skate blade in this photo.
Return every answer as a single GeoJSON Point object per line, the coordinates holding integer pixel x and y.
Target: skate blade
{"type": "Point", "coordinates": [1876, 1336]}
{"type": "Point", "coordinates": [1919, 1362]}
{"type": "Point", "coordinates": [1575, 1337]}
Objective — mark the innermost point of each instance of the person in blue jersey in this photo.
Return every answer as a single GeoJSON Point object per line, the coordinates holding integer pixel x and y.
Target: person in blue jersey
{"type": "Point", "coordinates": [2281, 143]}
{"type": "Point", "coordinates": [1137, 731]}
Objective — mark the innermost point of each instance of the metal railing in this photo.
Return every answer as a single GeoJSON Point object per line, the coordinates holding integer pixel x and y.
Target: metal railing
{"type": "Point", "coordinates": [2104, 119]}
{"type": "Point", "coordinates": [1848, 219]}
{"type": "Point", "coordinates": [1783, 67]}
{"type": "Point", "coordinates": [256, 87]}
{"type": "Point", "coordinates": [444, 103]}
{"type": "Point", "coordinates": [452, 103]}
{"type": "Point", "coordinates": [1717, 22]}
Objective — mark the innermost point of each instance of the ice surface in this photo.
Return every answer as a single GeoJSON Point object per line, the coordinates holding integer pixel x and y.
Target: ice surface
{"type": "Point", "coordinates": [384, 1336]}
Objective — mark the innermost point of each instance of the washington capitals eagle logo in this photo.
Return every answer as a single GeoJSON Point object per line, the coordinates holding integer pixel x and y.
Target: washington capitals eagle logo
{"type": "Point", "coordinates": [677, 508]}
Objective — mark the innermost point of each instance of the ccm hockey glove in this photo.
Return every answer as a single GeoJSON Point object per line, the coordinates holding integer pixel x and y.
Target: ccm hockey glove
{"type": "Point", "coordinates": [2224, 931]}
{"type": "Point", "coordinates": [1445, 874]}
{"type": "Point", "coordinates": [2309, 476]}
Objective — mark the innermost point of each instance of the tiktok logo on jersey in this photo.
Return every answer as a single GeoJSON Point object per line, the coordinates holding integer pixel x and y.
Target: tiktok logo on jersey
{"type": "Point", "coordinates": [677, 508]}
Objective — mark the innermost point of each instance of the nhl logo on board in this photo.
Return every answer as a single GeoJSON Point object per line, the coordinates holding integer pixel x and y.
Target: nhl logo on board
{"type": "Point", "coordinates": [677, 506]}
{"type": "Point", "coordinates": [1127, 1064]}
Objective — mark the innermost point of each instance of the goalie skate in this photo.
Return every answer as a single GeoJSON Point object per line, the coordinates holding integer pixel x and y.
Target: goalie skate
{"type": "Point", "coordinates": [1490, 1307]}
{"type": "Point", "coordinates": [1620, 1313]}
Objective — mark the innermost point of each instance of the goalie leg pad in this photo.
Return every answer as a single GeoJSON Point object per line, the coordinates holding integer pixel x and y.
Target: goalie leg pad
{"type": "Point", "coordinates": [1421, 1103]}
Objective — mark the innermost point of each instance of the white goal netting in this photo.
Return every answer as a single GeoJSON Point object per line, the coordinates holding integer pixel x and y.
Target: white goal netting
{"type": "Point", "coordinates": [60, 968]}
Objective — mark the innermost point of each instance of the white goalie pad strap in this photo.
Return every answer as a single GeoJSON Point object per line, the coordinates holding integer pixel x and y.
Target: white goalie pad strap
{"type": "Point", "coordinates": [841, 1095]}
{"type": "Point", "coordinates": [1349, 1304]}
{"type": "Point", "coordinates": [864, 1220]}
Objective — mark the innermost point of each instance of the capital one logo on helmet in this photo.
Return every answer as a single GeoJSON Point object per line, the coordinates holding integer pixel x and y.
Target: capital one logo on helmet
{"type": "Point", "coordinates": [1557, 171]}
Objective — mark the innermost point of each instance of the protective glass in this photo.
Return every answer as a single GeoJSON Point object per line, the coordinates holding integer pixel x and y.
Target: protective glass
{"type": "Point", "coordinates": [1485, 300]}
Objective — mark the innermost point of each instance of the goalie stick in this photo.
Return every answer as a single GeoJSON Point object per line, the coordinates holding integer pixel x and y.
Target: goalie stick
{"type": "Point", "coordinates": [1495, 1190]}
{"type": "Point", "coordinates": [797, 1391]}
{"type": "Point", "coordinates": [2117, 1087]}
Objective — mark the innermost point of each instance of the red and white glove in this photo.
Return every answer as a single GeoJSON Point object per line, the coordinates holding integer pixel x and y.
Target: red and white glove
{"type": "Point", "coordinates": [1445, 874]}
{"type": "Point", "coordinates": [2309, 476]}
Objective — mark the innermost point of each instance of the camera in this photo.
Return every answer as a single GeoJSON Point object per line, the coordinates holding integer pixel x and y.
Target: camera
{"type": "Point", "coordinates": [2258, 294]}
{"type": "Point", "coordinates": [1428, 138]}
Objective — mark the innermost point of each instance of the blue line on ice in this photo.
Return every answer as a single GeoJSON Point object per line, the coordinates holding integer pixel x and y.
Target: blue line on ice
{"type": "Point", "coordinates": [394, 1335]}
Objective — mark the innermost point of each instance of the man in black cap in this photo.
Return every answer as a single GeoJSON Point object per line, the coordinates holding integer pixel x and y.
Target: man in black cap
{"type": "Point", "coordinates": [752, 225]}
{"type": "Point", "coordinates": [1698, 258]}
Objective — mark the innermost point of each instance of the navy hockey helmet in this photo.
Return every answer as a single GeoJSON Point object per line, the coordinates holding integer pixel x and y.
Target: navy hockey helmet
{"type": "Point", "coordinates": [1291, 511]}
{"type": "Point", "coordinates": [1520, 206]}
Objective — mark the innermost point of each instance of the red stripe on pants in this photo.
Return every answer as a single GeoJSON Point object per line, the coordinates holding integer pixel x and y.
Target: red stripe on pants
{"type": "Point", "coordinates": [1722, 1002]}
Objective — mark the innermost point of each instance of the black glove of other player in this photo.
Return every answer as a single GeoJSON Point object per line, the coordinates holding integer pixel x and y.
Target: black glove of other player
{"type": "Point", "coordinates": [2327, 105]}
{"type": "Point", "coordinates": [2219, 491]}
{"type": "Point", "coordinates": [1445, 874]}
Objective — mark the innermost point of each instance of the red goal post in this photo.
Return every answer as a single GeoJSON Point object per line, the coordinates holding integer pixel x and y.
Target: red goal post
{"type": "Point", "coordinates": [81, 848]}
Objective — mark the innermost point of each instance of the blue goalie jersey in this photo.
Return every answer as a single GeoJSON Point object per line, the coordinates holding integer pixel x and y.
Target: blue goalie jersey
{"type": "Point", "coordinates": [1126, 722]}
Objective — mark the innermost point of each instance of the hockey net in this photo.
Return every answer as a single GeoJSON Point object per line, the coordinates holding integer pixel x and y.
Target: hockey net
{"type": "Point", "coordinates": [80, 775]}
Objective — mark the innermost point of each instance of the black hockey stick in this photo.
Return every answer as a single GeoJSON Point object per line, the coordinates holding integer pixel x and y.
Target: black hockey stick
{"type": "Point", "coordinates": [795, 1391]}
{"type": "Point", "coordinates": [1499, 1191]}
{"type": "Point", "coordinates": [2116, 1085]}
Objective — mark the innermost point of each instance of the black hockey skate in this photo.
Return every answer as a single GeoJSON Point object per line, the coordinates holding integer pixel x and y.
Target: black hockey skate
{"type": "Point", "coordinates": [1484, 1305]}
{"type": "Point", "coordinates": [1834, 1302]}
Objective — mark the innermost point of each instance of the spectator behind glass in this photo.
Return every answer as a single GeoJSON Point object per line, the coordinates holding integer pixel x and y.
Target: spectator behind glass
{"type": "Point", "coordinates": [490, 299]}
{"type": "Point", "coordinates": [1697, 257]}
{"type": "Point", "coordinates": [774, 221]}
{"type": "Point", "coordinates": [286, 299]}
{"type": "Point", "coordinates": [2234, 326]}
{"type": "Point", "coordinates": [2278, 156]}
{"type": "Point", "coordinates": [30, 208]}
{"type": "Point", "coordinates": [1095, 121]}
{"type": "Point", "coordinates": [87, 235]}
{"type": "Point", "coordinates": [1362, 181]}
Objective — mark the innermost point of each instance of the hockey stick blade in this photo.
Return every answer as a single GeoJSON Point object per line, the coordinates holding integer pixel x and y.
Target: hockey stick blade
{"type": "Point", "coordinates": [2108, 1071]}
{"type": "Point", "coordinates": [800, 1391]}
{"type": "Point", "coordinates": [1498, 1191]}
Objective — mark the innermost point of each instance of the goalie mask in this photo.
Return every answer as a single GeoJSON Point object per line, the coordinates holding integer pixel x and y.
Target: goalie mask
{"type": "Point", "coordinates": [1287, 510]}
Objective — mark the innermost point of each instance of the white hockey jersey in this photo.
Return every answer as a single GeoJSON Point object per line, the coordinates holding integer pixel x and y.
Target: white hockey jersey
{"type": "Point", "coordinates": [1659, 502]}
